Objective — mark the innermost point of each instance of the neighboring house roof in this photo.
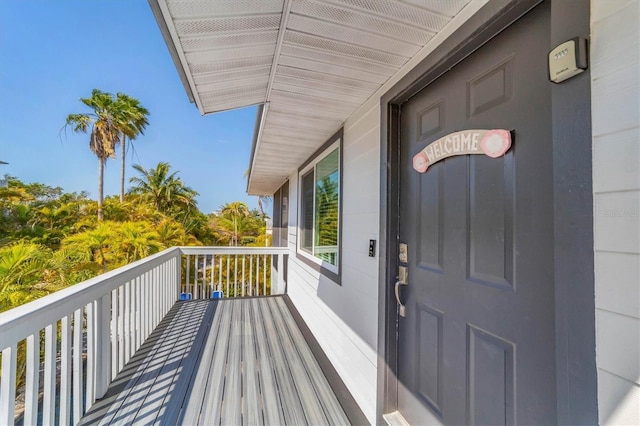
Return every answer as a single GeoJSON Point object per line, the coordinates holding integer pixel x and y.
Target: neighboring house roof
{"type": "Point", "coordinates": [311, 63]}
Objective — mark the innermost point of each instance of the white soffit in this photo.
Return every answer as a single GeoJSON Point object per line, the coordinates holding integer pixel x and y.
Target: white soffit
{"type": "Point", "coordinates": [313, 62]}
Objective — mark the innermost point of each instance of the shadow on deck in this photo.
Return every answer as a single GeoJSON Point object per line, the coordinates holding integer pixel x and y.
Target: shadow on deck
{"type": "Point", "coordinates": [230, 362]}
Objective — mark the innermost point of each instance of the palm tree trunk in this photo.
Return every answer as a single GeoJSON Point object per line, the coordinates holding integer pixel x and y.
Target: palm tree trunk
{"type": "Point", "coordinates": [100, 188]}
{"type": "Point", "coordinates": [122, 163]}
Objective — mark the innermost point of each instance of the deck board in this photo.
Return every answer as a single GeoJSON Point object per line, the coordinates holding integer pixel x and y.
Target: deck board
{"type": "Point", "coordinates": [233, 361]}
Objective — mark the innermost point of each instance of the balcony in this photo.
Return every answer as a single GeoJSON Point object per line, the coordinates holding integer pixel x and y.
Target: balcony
{"type": "Point", "coordinates": [153, 342]}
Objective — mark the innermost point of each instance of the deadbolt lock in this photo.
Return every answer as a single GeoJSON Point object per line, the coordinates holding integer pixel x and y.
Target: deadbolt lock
{"type": "Point", "coordinates": [403, 253]}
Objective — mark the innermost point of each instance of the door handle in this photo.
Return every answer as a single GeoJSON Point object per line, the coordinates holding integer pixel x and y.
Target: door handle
{"type": "Point", "coordinates": [403, 309]}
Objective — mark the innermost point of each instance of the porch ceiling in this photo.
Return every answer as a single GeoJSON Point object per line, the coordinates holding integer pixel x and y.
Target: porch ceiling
{"type": "Point", "coordinates": [311, 62]}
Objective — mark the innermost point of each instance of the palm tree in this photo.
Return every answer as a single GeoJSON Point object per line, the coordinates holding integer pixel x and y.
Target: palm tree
{"type": "Point", "coordinates": [131, 123]}
{"type": "Point", "coordinates": [103, 123]}
{"type": "Point", "coordinates": [96, 244]}
{"type": "Point", "coordinates": [235, 211]}
{"type": "Point", "coordinates": [167, 192]}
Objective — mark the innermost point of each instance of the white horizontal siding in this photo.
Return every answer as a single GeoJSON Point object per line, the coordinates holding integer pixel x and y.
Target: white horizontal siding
{"type": "Point", "coordinates": [615, 73]}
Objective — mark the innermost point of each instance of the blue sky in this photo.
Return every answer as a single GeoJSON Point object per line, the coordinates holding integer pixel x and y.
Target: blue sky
{"type": "Point", "coordinates": [54, 52]}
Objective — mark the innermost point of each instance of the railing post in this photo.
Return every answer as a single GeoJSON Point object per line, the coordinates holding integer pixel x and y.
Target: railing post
{"type": "Point", "coordinates": [280, 275]}
{"type": "Point", "coordinates": [8, 387]}
{"type": "Point", "coordinates": [103, 352]}
{"type": "Point", "coordinates": [178, 277]}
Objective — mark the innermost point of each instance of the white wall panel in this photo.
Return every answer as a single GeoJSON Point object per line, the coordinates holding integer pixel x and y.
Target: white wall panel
{"type": "Point", "coordinates": [618, 400]}
{"type": "Point", "coordinates": [619, 339]}
{"type": "Point", "coordinates": [617, 221]}
{"type": "Point", "coordinates": [617, 288]}
{"type": "Point", "coordinates": [615, 73]}
{"type": "Point", "coordinates": [615, 161]}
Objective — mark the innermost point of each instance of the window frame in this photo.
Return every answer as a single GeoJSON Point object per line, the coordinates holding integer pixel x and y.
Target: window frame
{"type": "Point", "coordinates": [334, 272]}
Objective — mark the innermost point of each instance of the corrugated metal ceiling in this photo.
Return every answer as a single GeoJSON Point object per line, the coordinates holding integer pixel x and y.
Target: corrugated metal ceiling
{"type": "Point", "coordinates": [312, 62]}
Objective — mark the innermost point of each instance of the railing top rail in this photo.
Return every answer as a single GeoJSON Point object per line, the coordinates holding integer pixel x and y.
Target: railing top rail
{"type": "Point", "coordinates": [44, 311]}
{"type": "Point", "coordinates": [233, 250]}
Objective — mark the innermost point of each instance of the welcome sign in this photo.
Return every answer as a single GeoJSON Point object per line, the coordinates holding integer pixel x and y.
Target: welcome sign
{"type": "Point", "coordinates": [493, 143]}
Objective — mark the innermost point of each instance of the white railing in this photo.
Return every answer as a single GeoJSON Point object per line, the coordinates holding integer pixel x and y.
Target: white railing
{"type": "Point", "coordinates": [233, 271]}
{"type": "Point", "coordinates": [89, 331]}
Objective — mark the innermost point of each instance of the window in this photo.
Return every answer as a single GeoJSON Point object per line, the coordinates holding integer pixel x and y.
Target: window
{"type": "Point", "coordinates": [319, 214]}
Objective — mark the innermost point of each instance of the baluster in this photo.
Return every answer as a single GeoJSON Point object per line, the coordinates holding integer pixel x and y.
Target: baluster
{"type": "Point", "coordinates": [213, 271]}
{"type": "Point", "coordinates": [153, 288]}
{"type": "Point", "coordinates": [144, 299]}
{"type": "Point", "coordinates": [228, 274]}
{"type": "Point", "coordinates": [157, 290]}
{"type": "Point", "coordinates": [120, 335]}
{"type": "Point", "coordinates": [8, 385]}
{"type": "Point", "coordinates": [219, 287]}
{"type": "Point", "coordinates": [281, 283]}
{"type": "Point", "coordinates": [65, 371]}
{"type": "Point", "coordinates": [195, 277]}
{"type": "Point", "coordinates": [243, 280]}
{"type": "Point", "coordinates": [138, 313]}
{"type": "Point", "coordinates": [251, 275]}
{"type": "Point", "coordinates": [235, 276]}
{"type": "Point", "coordinates": [264, 273]}
{"type": "Point", "coordinates": [165, 287]}
{"type": "Point", "coordinates": [186, 289]}
{"type": "Point", "coordinates": [127, 322]}
{"type": "Point", "coordinates": [91, 371]}
{"type": "Point", "coordinates": [77, 366]}
{"type": "Point", "coordinates": [101, 339]}
{"type": "Point", "coordinates": [149, 299]}
{"type": "Point", "coordinates": [49, 400]}
{"type": "Point", "coordinates": [257, 280]}
{"type": "Point", "coordinates": [177, 269]}
{"type": "Point", "coordinates": [115, 366]}
{"type": "Point", "coordinates": [32, 385]}
{"type": "Point", "coordinates": [147, 305]}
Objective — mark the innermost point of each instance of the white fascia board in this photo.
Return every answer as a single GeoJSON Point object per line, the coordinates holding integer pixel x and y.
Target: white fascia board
{"type": "Point", "coordinates": [166, 15]}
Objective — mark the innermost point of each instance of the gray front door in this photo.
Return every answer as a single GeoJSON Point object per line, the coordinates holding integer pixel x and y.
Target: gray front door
{"type": "Point", "coordinates": [477, 345]}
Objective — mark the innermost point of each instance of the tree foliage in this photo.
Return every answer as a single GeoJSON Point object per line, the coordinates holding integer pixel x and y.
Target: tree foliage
{"type": "Point", "coordinates": [50, 239]}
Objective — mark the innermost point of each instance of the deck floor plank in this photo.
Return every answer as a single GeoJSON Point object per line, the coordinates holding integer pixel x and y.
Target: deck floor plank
{"type": "Point", "coordinates": [304, 387]}
{"type": "Point", "coordinates": [212, 404]}
{"type": "Point", "coordinates": [212, 362]}
{"type": "Point", "coordinates": [232, 399]}
{"type": "Point", "coordinates": [194, 394]}
{"type": "Point", "coordinates": [252, 401]}
{"type": "Point", "coordinates": [272, 408]}
{"type": "Point", "coordinates": [289, 398]}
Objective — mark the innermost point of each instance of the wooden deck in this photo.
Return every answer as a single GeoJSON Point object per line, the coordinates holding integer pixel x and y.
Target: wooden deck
{"type": "Point", "coordinates": [229, 362]}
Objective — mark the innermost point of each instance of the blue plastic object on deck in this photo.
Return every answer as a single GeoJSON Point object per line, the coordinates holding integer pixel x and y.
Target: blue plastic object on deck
{"type": "Point", "coordinates": [186, 296]}
{"type": "Point", "coordinates": [217, 294]}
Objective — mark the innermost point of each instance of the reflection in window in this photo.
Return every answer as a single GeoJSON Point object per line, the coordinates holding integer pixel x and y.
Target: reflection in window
{"type": "Point", "coordinates": [320, 209]}
{"type": "Point", "coordinates": [326, 217]}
